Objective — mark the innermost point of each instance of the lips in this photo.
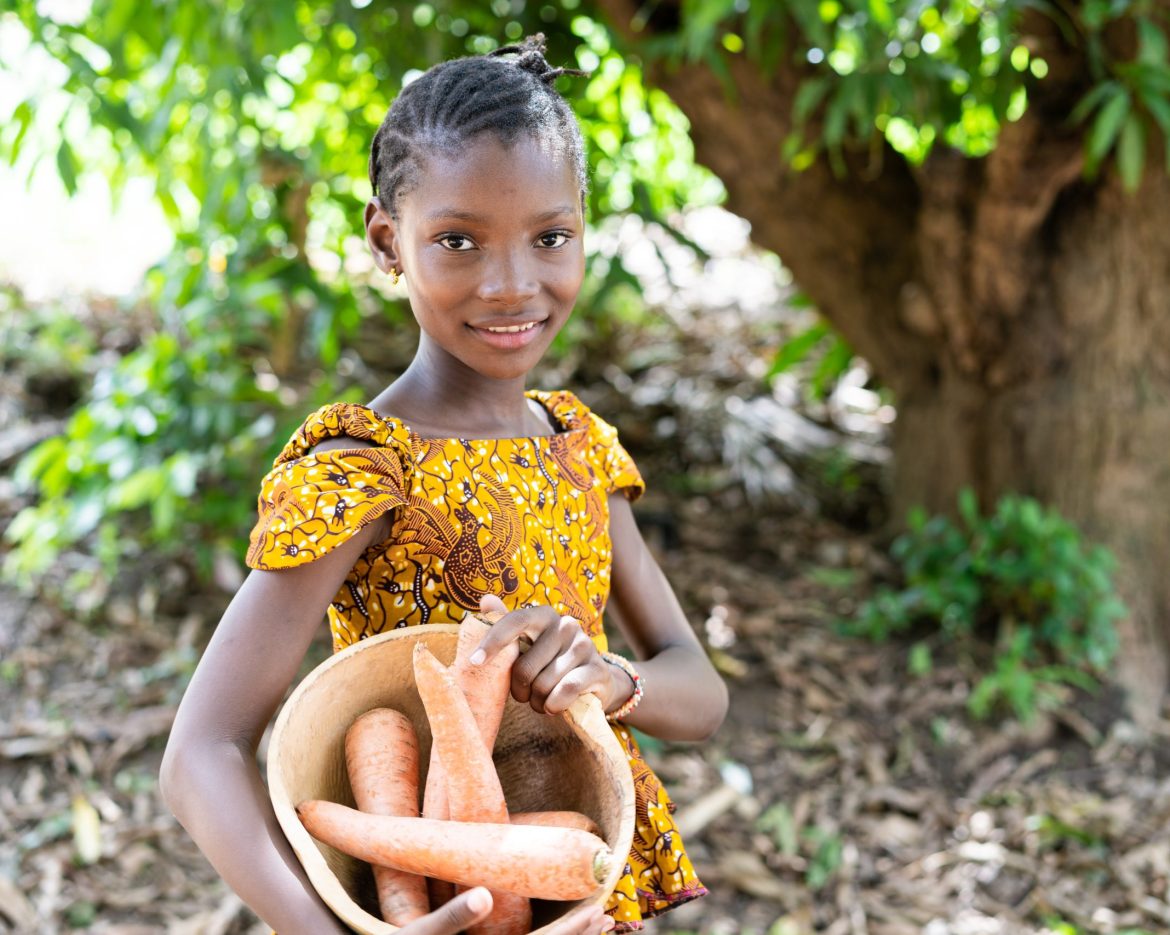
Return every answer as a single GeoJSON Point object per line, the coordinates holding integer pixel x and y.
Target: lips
{"type": "Point", "coordinates": [508, 334]}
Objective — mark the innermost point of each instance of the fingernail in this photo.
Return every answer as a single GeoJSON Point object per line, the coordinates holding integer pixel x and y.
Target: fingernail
{"type": "Point", "coordinates": [478, 900]}
{"type": "Point", "coordinates": [477, 657]}
{"type": "Point", "coordinates": [607, 925]}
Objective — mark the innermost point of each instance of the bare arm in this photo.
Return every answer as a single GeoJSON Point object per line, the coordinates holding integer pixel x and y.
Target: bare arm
{"type": "Point", "coordinates": [210, 778]}
{"type": "Point", "coordinates": [685, 699]}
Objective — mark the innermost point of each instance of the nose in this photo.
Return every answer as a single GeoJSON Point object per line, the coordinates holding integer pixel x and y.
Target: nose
{"type": "Point", "coordinates": [509, 280]}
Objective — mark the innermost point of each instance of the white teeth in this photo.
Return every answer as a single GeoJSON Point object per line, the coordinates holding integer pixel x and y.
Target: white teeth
{"type": "Point", "coordinates": [512, 329]}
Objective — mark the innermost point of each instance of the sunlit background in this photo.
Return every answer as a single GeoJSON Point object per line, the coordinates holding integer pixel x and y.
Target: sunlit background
{"type": "Point", "coordinates": [183, 277]}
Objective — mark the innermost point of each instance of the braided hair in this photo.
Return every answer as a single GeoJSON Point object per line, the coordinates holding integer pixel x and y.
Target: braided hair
{"type": "Point", "coordinates": [458, 99]}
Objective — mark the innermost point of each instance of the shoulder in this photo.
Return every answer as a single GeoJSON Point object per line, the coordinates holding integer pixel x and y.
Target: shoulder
{"type": "Point", "coordinates": [573, 415]}
{"type": "Point", "coordinates": [344, 469]}
{"type": "Point", "coordinates": [564, 407]}
{"type": "Point", "coordinates": [338, 426]}
{"type": "Point", "coordinates": [600, 441]}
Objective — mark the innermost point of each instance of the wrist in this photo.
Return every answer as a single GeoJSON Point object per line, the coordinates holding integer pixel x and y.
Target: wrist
{"type": "Point", "coordinates": [621, 687]}
{"type": "Point", "coordinates": [629, 686]}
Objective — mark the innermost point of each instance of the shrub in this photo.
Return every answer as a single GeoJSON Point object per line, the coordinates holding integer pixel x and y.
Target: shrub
{"type": "Point", "coordinates": [1023, 580]}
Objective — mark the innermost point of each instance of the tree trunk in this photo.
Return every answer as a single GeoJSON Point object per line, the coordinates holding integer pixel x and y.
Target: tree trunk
{"type": "Point", "coordinates": [1019, 313]}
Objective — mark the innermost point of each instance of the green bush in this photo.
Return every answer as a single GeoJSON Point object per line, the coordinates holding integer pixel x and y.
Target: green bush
{"type": "Point", "coordinates": [1022, 579]}
{"type": "Point", "coordinates": [154, 462]}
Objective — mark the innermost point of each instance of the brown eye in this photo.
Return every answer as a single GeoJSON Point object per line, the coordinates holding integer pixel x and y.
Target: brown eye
{"type": "Point", "coordinates": [553, 237]}
{"type": "Point", "coordinates": [456, 242]}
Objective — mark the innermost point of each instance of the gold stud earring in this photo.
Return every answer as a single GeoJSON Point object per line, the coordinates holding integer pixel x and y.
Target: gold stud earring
{"type": "Point", "coordinates": [394, 275]}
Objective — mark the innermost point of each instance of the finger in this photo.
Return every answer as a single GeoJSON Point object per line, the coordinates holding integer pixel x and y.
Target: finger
{"type": "Point", "coordinates": [527, 622]}
{"type": "Point", "coordinates": [587, 920]}
{"type": "Point", "coordinates": [528, 667]}
{"type": "Point", "coordinates": [567, 676]}
{"type": "Point", "coordinates": [453, 917]}
{"type": "Point", "coordinates": [580, 681]}
{"type": "Point", "coordinates": [490, 604]}
{"type": "Point", "coordinates": [550, 658]}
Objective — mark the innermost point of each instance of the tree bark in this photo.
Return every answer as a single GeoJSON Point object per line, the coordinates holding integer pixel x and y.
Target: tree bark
{"type": "Point", "coordinates": [1018, 312]}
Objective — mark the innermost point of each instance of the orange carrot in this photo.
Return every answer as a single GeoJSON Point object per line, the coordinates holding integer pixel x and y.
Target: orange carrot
{"type": "Point", "coordinates": [381, 755]}
{"type": "Point", "coordinates": [541, 863]}
{"type": "Point", "coordinates": [556, 820]}
{"type": "Point", "coordinates": [486, 688]}
{"type": "Point", "coordinates": [473, 787]}
{"type": "Point", "coordinates": [472, 784]}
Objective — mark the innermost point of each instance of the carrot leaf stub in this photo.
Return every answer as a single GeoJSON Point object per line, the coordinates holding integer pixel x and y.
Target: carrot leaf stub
{"type": "Point", "coordinates": [530, 860]}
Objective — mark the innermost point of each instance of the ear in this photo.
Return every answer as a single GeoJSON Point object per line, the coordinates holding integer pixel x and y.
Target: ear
{"type": "Point", "coordinates": [382, 236]}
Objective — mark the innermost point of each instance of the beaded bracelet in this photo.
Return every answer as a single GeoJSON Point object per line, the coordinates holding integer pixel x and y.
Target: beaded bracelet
{"type": "Point", "coordinates": [632, 702]}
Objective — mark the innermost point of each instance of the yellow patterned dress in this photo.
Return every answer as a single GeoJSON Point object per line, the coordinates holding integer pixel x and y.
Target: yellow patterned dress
{"type": "Point", "coordinates": [526, 519]}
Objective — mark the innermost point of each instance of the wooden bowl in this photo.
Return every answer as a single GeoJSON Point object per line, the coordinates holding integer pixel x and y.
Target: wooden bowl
{"type": "Point", "coordinates": [545, 763]}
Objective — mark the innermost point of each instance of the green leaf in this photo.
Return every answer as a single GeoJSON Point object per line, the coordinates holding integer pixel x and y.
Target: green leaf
{"type": "Point", "coordinates": [1105, 129]}
{"type": "Point", "coordinates": [23, 116]}
{"type": "Point", "coordinates": [835, 362]}
{"type": "Point", "coordinates": [969, 507]}
{"type": "Point", "coordinates": [1096, 13]}
{"type": "Point", "coordinates": [808, 96]}
{"type": "Point", "coordinates": [920, 661]}
{"type": "Point", "coordinates": [67, 167]}
{"type": "Point", "coordinates": [837, 114]}
{"type": "Point", "coordinates": [1131, 152]}
{"type": "Point", "coordinates": [1093, 100]}
{"type": "Point", "coordinates": [796, 349]}
{"type": "Point", "coordinates": [1152, 45]}
{"type": "Point", "coordinates": [880, 11]}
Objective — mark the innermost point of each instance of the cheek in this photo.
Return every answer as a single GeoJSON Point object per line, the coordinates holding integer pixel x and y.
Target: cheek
{"type": "Point", "coordinates": [572, 275]}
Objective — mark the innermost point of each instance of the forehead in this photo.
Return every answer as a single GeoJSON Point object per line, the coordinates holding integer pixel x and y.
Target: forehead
{"type": "Point", "coordinates": [494, 180]}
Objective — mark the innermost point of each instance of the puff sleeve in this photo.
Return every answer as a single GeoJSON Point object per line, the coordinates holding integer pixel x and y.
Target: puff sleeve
{"type": "Point", "coordinates": [310, 504]}
{"type": "Point", "coordinates": [612, 462]}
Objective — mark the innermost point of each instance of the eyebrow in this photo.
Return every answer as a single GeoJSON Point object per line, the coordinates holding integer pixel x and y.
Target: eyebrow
{"type": "Point", "coordinates": [456, 214]}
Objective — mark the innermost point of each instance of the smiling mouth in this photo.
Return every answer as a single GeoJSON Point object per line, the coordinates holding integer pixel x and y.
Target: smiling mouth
{"type": "Point", "coordinates": [512, 329]}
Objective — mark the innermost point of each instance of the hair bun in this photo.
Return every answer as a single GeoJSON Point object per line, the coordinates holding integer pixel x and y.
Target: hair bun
{"type": "Point", "coordinates": [530, 58]}
{"type": "Point", "coordinates": [533, 61]}
{"type": "Point", "coordinates": [533, 43]}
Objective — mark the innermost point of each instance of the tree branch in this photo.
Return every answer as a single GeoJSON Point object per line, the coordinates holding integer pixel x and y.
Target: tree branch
{"type": "Point", "coordinates": [848, 240]}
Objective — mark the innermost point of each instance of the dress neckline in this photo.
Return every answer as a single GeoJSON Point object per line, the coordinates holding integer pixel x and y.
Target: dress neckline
{"type": "Point", "coordinates": [564, 409]}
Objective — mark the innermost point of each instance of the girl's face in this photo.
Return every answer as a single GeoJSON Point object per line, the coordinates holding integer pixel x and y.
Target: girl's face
{"type": "Point", "coordinates": [490, 241]}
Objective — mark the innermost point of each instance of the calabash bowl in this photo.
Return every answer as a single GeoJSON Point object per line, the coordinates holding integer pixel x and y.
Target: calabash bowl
{"type": "Point", "coordinates": [544, 763]}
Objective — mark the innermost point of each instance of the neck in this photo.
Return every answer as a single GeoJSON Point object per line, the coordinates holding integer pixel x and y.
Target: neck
{"type": "Point", "coordinates": [439, 394]}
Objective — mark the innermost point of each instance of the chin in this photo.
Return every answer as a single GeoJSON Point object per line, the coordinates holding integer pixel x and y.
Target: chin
{"type": "Point", "coordinates": [503, 370]}
{"type": "Point", "coordinates": [506, 365]}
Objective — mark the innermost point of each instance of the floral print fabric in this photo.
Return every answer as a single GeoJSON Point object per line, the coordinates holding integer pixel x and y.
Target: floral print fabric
{"type": "Point", "coordinates": [526, 519]}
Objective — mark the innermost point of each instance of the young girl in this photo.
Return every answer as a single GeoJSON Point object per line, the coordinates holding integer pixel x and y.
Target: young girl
{"type": "Point", "coordinates": [455, 490]}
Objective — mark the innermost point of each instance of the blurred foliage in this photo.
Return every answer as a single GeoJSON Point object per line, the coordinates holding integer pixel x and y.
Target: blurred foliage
{"type": "Point", "coordinates": [817, 345]}
{"type": "Point", "coordinates": [820, 847]}
{"type": "Point", "coordinates": [253, 122]}
{"type": "Point", "coordinates": [42, 339]}
{"type": "Point", "coordinates": [1024, 575]}
{"type": "Point", "coordinates": [952, 72]}
{"type": "Point", "coordinates": [1059, 926]}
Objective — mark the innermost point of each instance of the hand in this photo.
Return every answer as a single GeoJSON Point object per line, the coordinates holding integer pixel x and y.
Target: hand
{"type": "Point", "coordinates": [474, 905]}
{"type": "Point", "coordinates": [588, 920]}
{"type": "Point", "coordinates": [469, 907]}
{"type": "Point", "coordinates": [561, 665]}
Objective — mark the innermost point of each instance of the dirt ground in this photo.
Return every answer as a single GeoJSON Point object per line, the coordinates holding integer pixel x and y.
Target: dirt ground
{"type": "Point", "coordinates": [841, 795]}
